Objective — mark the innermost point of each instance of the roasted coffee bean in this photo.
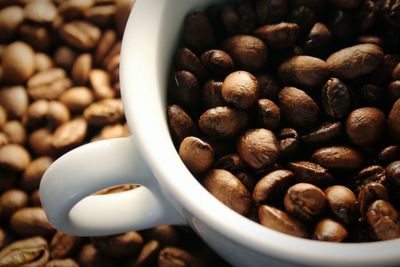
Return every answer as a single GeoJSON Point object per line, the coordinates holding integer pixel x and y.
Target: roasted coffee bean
{"type": "Point", "coordinates": [239, 18]}
{"type": "Point", "coordinates": [342, 25]}
{"type": "Point", "coordinates": [37, 36]}
{"type": "Point", "coordinates": [342, 202]}
{"type": "Point", "coordinates": [31, 221]}
{"type": "Point", "coordinates": [246, 179]}
{"type": "Point", "coordinates": [393, 172]}
{"type": "Point", "coordinates": [391, 10]}
{"type": "Point", "coordinates": [394, 91]}
{"type": "Point", "coordinates": [63, 245]}
{"type": "Point", "coordinates": [80, 34]}
{"type": "Point", "coordinates": [211, 94]}
{"type": "Point", "coordinates": [388, 155]}
{"type": "Point", "coordinates": [70, 134]}
{"type": "Point", "coordinates": [288, 142]}
{"type": "Point", "coordinates": [119, 245]}
{"type": "Point", "coordinates": [197, 155]}
{"type": "Point", "coordinates": [101, 15]}
{"type": "Point", "coordinates": [280, 221]}
{"type": "Point", "coordinates": [40, 11]}
{"type": "Point", "coordinates": [186, 89]}
{"type": "Point", "coordinates": [167, 235]}
{"type": "Point", "coordinates": [177, 257]}
{"type": "Point", "coordinates": [3, 116]}
{"type": "Point", "coordinates": [18, 63]}
{"type": "Point", "coordinates": [3, 237]}
{"type": "Point", "coordinates": [240, 89]}
{"type": "Point", "coordinates": [258, 148]}
{"type": "Point", "coordinates": [297, 108]}
{"type": "Point", "coordinates": [268, 114]}
{"type": "Point", "coordinates": [58, 113]}
{"type": "Point", "coordinates": [64, 57]}
{"type": "Point", "coordinates": [231, 162]}
{"type": "Point", "coordinates": [198, 33]}
{"type": "Point", "coordinates": [89, 256]}
{"type": "Point", "coordinates": [280, 36]}
{"type": "Point", "coordinates": [43, 62]}
{"type": "Point", "coordinates": [393, 122]}
{"type": "Point", "coordinates": [325, 133]}
{"type": "Point", "coordinates": [14, 100]}
{"type": "Point", "coordinates": [112, 131]}
{"type": "Point", "coordinates": [81, 69]}
{"type": "Point", "coordinates": [271, 11]}
{"type": "Point", "coordinates": [268, 86]}
{"type": "Point", "coordinates": [147, 256]}
{"type": "Point", "coordinates": [305, 201]}
{"type": "Point", "coordinates": [229, 190]}
{"type": "Point", "coordinates": [3, 139]}
{"type": "Point", "coordinates": [11, 18]}
{"type": "Point", "coordinates": [217, 62]}
{"type": "Point", "coordinates": [368, 194]}
{"type": "Point", "coordinates": [101, 84]}
{"type": "Point", "coordinates": [248, 52]}
{"type": "Point", "coordinates": [330, 230]}
{"type": "Point", "coordinates": [335, 99]}
{"type": "Point", "coordinates": [338, 157]}
{"type": "Point", "coordinates": [180, 124]}
{"type": "Point", "coordinates": [106, 42]}
{"type": "Point", "coordinates": [122, 11]}
{"type": "Point", "coordinates": [14, 158]}
{"type": "Point", "coordinates": [223, 122]}
{"type": "Point", "coordinates": [103, 112]}
{"type": "Point", "coordinates": [34, 172]}
{"type": "Point", "coordinates": [303, 16]}
{"type": "Point", "coordinates": [371, 174]}
{"type": "Point", "coordinates": [48, 84]}
{"type": "Point", "coordinates": [318, 39]}
{"type": "Point", "coordinates": [11, 201]}
{"type": "Point", "coordinates": [15, 132]}
{"type": "Point", "coordinates": [185, 59]}
{"type": "Point", "coordinates": [312, 173]}
{"type": "Point", "coordinates": [34, 199]}
{"type": "Point", "coordinates": [372, 95]}
{"type": "Point", "coordinates": [272, 186]}
{"type": "Point", "coordinates": [40, 141]}
{"type": "Point", "coordinates": [27, 252]}
{"type": "Point", "coordinates": [77, 99]}
{"type": "Point", "coordinates": [384, 220]}
{"type": "Point", "coordinates": [62, 263]}
{"type": "Point", "coordinates": [36, 113]}
{"type": "Point", "coordinates": [370, 39]}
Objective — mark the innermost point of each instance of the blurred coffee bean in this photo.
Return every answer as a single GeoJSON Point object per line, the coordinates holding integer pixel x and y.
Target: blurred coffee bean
{"type": "Point", "coordinates": [167, 235]}
{"type": "Point", "coordinates": [40, 141]}
{"type": "Point", "coordinates": [63, 245]}
{"type": "Point", "coordinates": [11, 201]}
{"type": "Point", "coordinates": [31, 221]}
{"type": "Point", "coordinates": [11, 18]}
{"type": "Point", "coordinates": [101, 84]}
{"type": "Point", "coordinates": [80, 34]}
{"type": "Point", "coordinates": [34, 172]}
{"type": "Point", "coordinates": [177, 257]}
{"type": "Point", "coordinates": [383, 220]}
{"type": "Point", "coordinates": [15, 132]}
{"type": "Point", "coordinates": [104, 112]}
{"type": "Point", "coordinates": [89, 256]}
{"type": "Point", "coordinates": [271, 11]}
{"type": "Point", "coordinates": [14, 100]}
{"type": "Point", "coordinates": [39, 37]}
{"type": "Point", "coordinates": [64, 57]}
{"type": "Point", "coordinates": [43, 62]}
{"type": "Point", "coordinates": [14, 157]}
{"type": "Point", "coordinates": [106, 42]}
{"type": "Point", "coordinates": [18, 63]}
{"type": "Point", "coordinates": [77, 99]}
{"type": "Point", "coordinates": [62, 263]}
{"type": "Point", "coordinates": [342, 202]}
{"type": "Point", "coordinates": [81, 69]}
{"type": "Point", "coordinates": [119, 245]}
{"type": "Point", "coordinates": [185, 59]}
{"type": "Point", "coordinates": [70, 134]}
{"type": "Point", "coordinates": [147, 256]}
{"type": "Point", "coordinates": [330, 230]}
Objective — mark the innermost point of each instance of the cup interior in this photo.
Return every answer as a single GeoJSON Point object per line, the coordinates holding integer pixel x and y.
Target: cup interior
{"type": "Point", "coordinates": [150, 40]}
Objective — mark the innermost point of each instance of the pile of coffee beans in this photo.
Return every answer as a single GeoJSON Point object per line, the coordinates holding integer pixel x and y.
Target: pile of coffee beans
{"type": "Point", "coordinates": [59, 88]}
{"type": "Point", "coordinates": [288, 112]}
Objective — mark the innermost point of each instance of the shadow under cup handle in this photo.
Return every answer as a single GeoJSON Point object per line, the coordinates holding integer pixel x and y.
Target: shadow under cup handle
{"type": "Point", "coordinates": [67, 185]}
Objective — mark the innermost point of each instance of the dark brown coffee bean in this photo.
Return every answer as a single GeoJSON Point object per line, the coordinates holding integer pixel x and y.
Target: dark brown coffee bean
{"type": "Point", "coordinates": [280, 221]}
{"type": "Point", "coordinates": [218, 62]}
{"type": "Point", "coordinates": [89, 256]}
{"type": "Point", "coordinates": [330, 230]}
{"type": "Point", "coordinates": [18, 63]}
{"type": "Point", "coordinates": [62, 263]}
{"type": "Point", "coordinates": [231, 162]}
{"type": "Point", "coordinates": [272, 186]}
{"type": "Point", "coordinates": [147, 256]}
{"type": "Point", "coordinates": [119, 245]}
{"type": "Point", "coordinates": [338, 157]}
{"type": "Point", "coordinates": [167, 235]}
{"type": "Point", "coordinates": [370, 39]}
{"type": "Point", "coordinates": [187, 60]}
{"type": "Point", "coordinates": [384, 220]}
{"type": "Point", "coordinates": [198, 34]}
{"type": "Point", "coordinates": [335, 98]}
{"type": "Point", "coordinates": [30, 222]}
{"type": "Point", "coordinates": [318, 39]}
{"type": "Point", "coordinates": [355, 61]}
{"type": "Point", "coordinates": [268, 86]}
{"type": "Point", "coordinates": [268, 114]}
{"type": "Point", "coordinates": [371, 95]}
{"type": "Point", "coordinates": [365, 126]}
{"type": "Point", "coordinates": [26, 252]}
{"type": "Point", "coordinates": [240, 89]}
{"type": "Point", "coordinates": [297, 108]}
{"type": "Point", "coordinates": [11, 201]}
{"type": "Point", "coordinates": [342, 202]}
{"type": "Point", "coordinates": [394, 91]}
{"type": "Point", "coordinates": [14, 158]}
{"type": "Point", "coordinates": [180, 123]}
{"type": "Point", "coordinates": [239, 18]}
{"type": "Point", "coordinates": [304, 17]}
{"type": "Point", "coordinates": [11, 18]}
{"type": "Point", "coordinates": [396, 72]}
{"type": "Point", "coordinates": [280, 36]}
{"type": "Point", "coordinates": [64, 57]}
{"type": "Point", "coordinates": [393, 122]}
{"type": "Point", "coordinates": [271, 11]}
{"type": "Point", "coordinates": [246, 179]}
{"type": "Point", "coordinates": [104, 112]}
{"type": "Point", "coordinates": [177, 257]}
{"type": "Point", "coordinates": [39, 37]}
{"type": "Point", "coordinates": [312, 173]}
{"type": "Point", "coordinates": [305, 201]}
{"type": "Point", "coordinates": [345, 3]}
{"type": "Point", "coordinates": [229, 190]}
{"type": "Point", "coordinates": [371, 174]}
{"type": "Point", "coordinates": [288, 142]}
{"type": "Point", "coordinates": [393, 172]}
{"type": "Point", "coordinates": [197, 155]}
{"type": "Point", "coordinates": [70, 134]}
{"type": "Point", "coordinates": [223, 122]}
{"type": "Point", "coordinates": [63, 245]}
{"type": "Point", "coordinates": [14, 100]}
{"type": "Point", "coordinates": [258, 148]}
{"type": "Point", "coordinates": [186, 89]}
{"type": "Point", "coordinates": [303, 71]}
{"type": "Point", "coordinates": [248, 52]}
{"type": "Point", "coordinates": [391, 10]}
{"type": "Point", "coordinates": [325, 133]}
{"type": "Point", "coordinates": [80, 34]}
{"type": "Point", "coordinates": [81, 69]}
{"type": "Point", "coordinates": [368, 194]}
{"type": "Point", "coordinates": [34, 199]}
{"type": "Point", "coordinates": [211, 94]}
{"type": "Point", "coordinates": [388, 154]}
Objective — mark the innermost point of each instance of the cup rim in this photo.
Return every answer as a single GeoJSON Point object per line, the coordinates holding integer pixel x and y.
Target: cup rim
{"type": "Point", "coordinates": [140, 75]}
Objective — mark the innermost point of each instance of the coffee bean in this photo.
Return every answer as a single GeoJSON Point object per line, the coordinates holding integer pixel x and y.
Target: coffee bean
{"type": "Point", "coordinates": [217, 62]}
{"type": "Point", "coordinates": [14, 157]}
{"type": "Point", "coordinates": [384, 220]}
{"type": "Point", "coordinates": [280, 221]}
{"type": "Point", "coordinates": [40, 11]}
{"type": "Point", "coordinates": [18, 63]}
{"type": "Point", "coordinates": [58, 113]}
{"type": "Point", "coordinates": [11, 18]}
{"type": "Point", "coordinates": [36, 113]}
{"type": "Point", "coordinates": [185, 59]}
{"type": "Point", "coordinates": [272, 186]}
{"type": "Point", "coordinates": [365, 126]}
{"type": "Point", "coordinates": [368, 194]}
{"type": "Point", "coordinates": [64, 57]}
{"type": "Point", "coordinates": [177, 257]}
{"type": "Point", "coordinates": [312, 173]}
{"type": "Point", "coordinates": [3, 116]}
{"type": "Point", "coordinates": [396, 72]}
{"type": "Point", "coordinates": [388, 154]}
{"type": "Point", "coordinates": [27, 252]}
{"type": "Point", "coordinates": [43, 62]}
{"type": "Point", "coordinates": [355, 61]}
{"type": "Point", "coordinates": [268, 86]}
{"type": "Point", "coordinates": [288, 142]}
{"type": "Point", "coordinates": [3, 139]}
{"type": "Point", "coordinates": [371, 174]}
{"type": "Point", "coordinates": [370, 39]}
{"type": "Point", "coordinates": [318, 40]}
{"type": "Point", "coordinates": [223, 122]}
{"type": "Point", "coordinates": [268, 114]}
{"type": "Point", "coordinates": [338, 157]}
{"type": "Point", "coordinates": [101, 16]}
{"type": "Point", "coordinates": [112, 131]}
{"type": "Point", "coordinates": [80, 34]}
{"type": "Point", "coordinates": [240, 89]}
{"type": "Point", "coordinates": [325, 133]}
{"type": "Point", "coordinates": [40, 141]}
{"type": "Point", "coordinates": [15, 132]}
{"type": "Point", "coordinates": [231, 162]}
{"type": "Point", "coordinates": [335, 98]}
{"type": "Point", "coordinates": [70, 134]}
{"type": "Point", "coordinates": [391, 12]}
{"type": "Point", "coordinates": [63, 245]}
{"type": "Point", "coordinates": [77, 99]}
{"type": "Point", "coordinates": [297, 108]}
{"type": "Point", "coordinates": [119, 245]}
{"type": "Point", "coordinates": [147, 256]}
{"type": "Point", "coordinates": [186, 89]}
{"type": "Point", "coordinates": [239, 17]}
{"type": "Point", "coordinates": [342, 202]}
{"type": "Point", "coordinates": [393, 172]}
{"type": "Point", "coordinates": [394, 91]}
{"type": "Point", "coordinates": [3, 237]}
{"type": "Point", "coordinates": [14, 100]}
{"type": "Point", "coordinates": [36, 36]}
{"type": "Point", "coordinates": [106, 42]}
{"type": "Point", "coordinates": [280, 36]}
{"type": "Point", "coordinates": [248, 52]}
{"type": "Point", "coordinates": [123, 8]}
{"type": "Point", "coordinates": [393, 122]}
{"type": "Point", "coordinates": [197, 155]}
{"type": "Point", "coordinates": [11, 201]}
{"type": "Point", "coordinates": [330, 230]}
{"type": "Point", "coordinates": [211, 94]}
{"type": "Point", "coordinates": [305, 201]}
{"type": "Point", "coordinates": [101, 84]}
{"type": "Point", "coordinates": [81, 69]}
{"type": "Point", "coordinates": [180, 124]}
{"type": "Point", "coordinates": [104, 112]}
{"type": "Point", "coordinates": [229, 190]}
{"type": "Point", "coordinates": [34, 172]}
{"type": "Point", "coordinates": [271, 11]}
{"type": "Point", "coordinates": [62, 263]}
{"type": "Point", "coordinates": [34, 199]}
{"type": "Point", "coordinates": [258, 148]}
{"type": "Point", "coordinates": [49, 84]}
{"type": "Point", "coordinates": [197, 32]}
{"type": "Point", "coordinates": [89, 256]}
{"type": "Point", "coordinates": [31, 221]}
{"type": "Point", "coordinates": [167, 235]}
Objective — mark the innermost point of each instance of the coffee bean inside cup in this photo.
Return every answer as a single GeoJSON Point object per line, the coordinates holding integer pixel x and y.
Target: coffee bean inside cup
{"type": "Point", "coordinates": [303, 98]}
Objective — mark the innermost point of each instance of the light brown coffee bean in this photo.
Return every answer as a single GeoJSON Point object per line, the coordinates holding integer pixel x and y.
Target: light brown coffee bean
{"type": "Point", "coordinates": [240, 89]}
{"type": "Point", "coordinates": [147, 256]}
{"type": "Point", "coordinates": [34, 172]}
{"type": "Point", "coordinates": [36, 113]}
{"type": "Point", "coordinates": [69, 135]}
{"type": "Point", "coordinates": [64, 57]}
{"type": "Point", "coordinates": [14, 157]}
{"type": "Point", "coordinates": [339, 158]}
{"type": "Point", "coordinates": [40, 11]}
{"type": "Point", "coordinates": [27, 252]}
{"type": "Point", "coordinates": [49, 84]}
{"type": "Point", "coordinates": [177, 257]}
{"type": "Point", "coordinates": [120, 245]}
{"type": "Point", "coordinates": [384, 220]}
{"type": "Point", "coordinates": [229, 190]}
{"type": "Point", "coordinates": [100, 82]}
{"type": "Point", "coordinates": [104, 112]}
{"type": "Point", "coordinates": [62, 263]}
{"type": "Point", "coordinates": [57, 114]}
{"type": "Point", "coordinates": [368, 194]}
{"type": "Point", "coordinates": [198, 33]}
{"type": "Point", "coordinates": [3, 139]}
{"type": "Point", "coordinates": [280, 221]}
{"type": "Point", "coordinates": [258, 148]}
{"type": "Point", "coordinates": [342, 202]}
{"type": "Point", "coordinates": [43, 62]}
{"type": "Point", "coordinates": [80, 34]}
{"type": "Point", "coordinates": [11, 201]}
{"type": "Point", "coordinates": [272, 186]}
{"type": "Point", "coordinates": [72, 9]}
{"type": "Point", "coordinates": [11, 18]}
{"type": "Point", "coordinates": [102, 15]}
{"type": "Point", "coordinates": [77, 99]}
{"type": "Point", "coordinates": [312, 173]}
{"type": "Point", "coordinates": [197, 155]}
{"type": "Point", "coordinates": [115, 50]}
{"type": "Point", "coordinates": [63, 245]}
{"type": "Point", "coordinates": [280, 36]}
{"type": "Point", "coordinates": [89, 256]}
{"type": "Point", "coordinates": [15, 132]}
{"type": "Point", "coordinates": [393, 122]}
{"type": "Point", "coordinates": [3, 116]}
{"type": "Point", "coordinates": [14, 100]}
{"type": "Point", "coordinates": [18, 63]}
{"type": "Point", "coordinates": [40, 141]}
{"type": "Point", "coordinates": [355, 61]}
{"type": "Point", "coordinates": [106, 42]}
{"type": "Point", "coordinates": [31, 221]}
{"type": "Point", "coordinates": [330, 230]}
{"type": "Point", "coordinates": [112, 131]}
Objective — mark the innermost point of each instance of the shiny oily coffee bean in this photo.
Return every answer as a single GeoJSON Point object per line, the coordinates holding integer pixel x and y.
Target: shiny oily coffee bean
{"type": "Point", "coordinates": [393, 172]}
{"type": "Point", "coordinates": [393, 122]}
{"type": "Point", "coordinates": [280, 221]}
{"type": "Point", "coordinates": [368, 194]}
{"type": "Point", "coordinates": [335, 98]}
{"type": "Point", "coordinates": [229, 190]}
{"type": "Point", "coordinates": [119, 245]}
{"type": "Point", "coordinates": [240, 89]}
{"type": "Point", "coordinates": [185, 59]}
{"type": "Point", "coordinates": [197, 155]}
{"type": "Point", "coordinates": [272, 186]}
{"type": "Point", "coordinates": [305, 201]}
{"type": "Point", "coordinates": [325, 133]}
{"type": "Point", "coordinates": [180, 123]}
{"type": "Point", "coordinates": [239, 17]}
{"type": "Point", "coordinates": [26, 252]}
{"type": "Point", "coordinates": [312, 173]}
{"type": "Point", "coordinates": [211, 94]}
{"type": "Point", "coordinates": [288, 142]}
{"type": "Point", "coordinates": [186, 89]}
{"type": "Point", "coordinates": [280, 36]}
{"type": "Point", "coordinates": [330, 230]}
{"type": "Point", "coordinates": [384, 220]}
{"type": "Point", "coordinates": [342, 202]}
{"type": "Point", "coordinates": [231, 162]}
{"type": "Point", "coordinates": [371, 174]}
{"type": "Point", "coordinates": [338, 158]}
{"type": "Point", "coordinates": [268, 113]}
{"type": "Point", "coordinates": [218, 62]}
{"type": "Point", "coordinates": [388, 155]}
{"type": "Point", "coordinates": [63, 245]}
{"type": "Point", "coordinates": [177, 257]}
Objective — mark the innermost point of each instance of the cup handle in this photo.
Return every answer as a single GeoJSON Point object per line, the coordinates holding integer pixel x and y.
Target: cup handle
{"type": "Point", "coordinates": [67, 184]}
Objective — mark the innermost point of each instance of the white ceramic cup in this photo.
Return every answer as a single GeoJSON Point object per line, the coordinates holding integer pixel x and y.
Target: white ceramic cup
{"type": "Point", "coordinates": [169, 193]}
